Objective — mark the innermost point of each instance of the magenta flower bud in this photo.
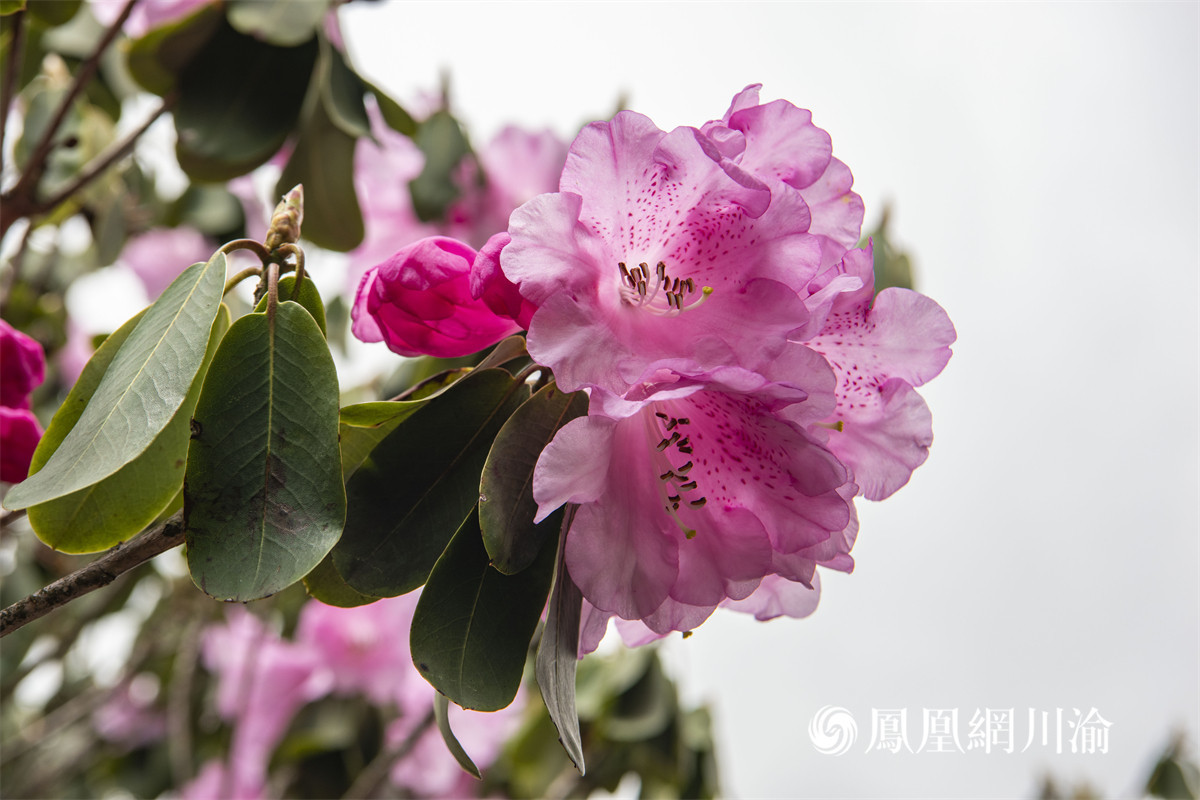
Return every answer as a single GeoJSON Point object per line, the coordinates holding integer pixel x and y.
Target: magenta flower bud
{"type": "Point", "coordinates": [22, 367]}
{"type": "Point", "coordinates": [419, 302]}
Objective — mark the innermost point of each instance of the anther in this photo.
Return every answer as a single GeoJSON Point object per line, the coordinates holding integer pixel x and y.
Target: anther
{"type": "Point", "coordinates": [698, 503]}
{"type": "Point", "coordinates": [684, 469]}
{"type": "Point", "coordinates": [666, 476]}
{"type": "Point", "coordinates": [687, 487]}
{"type": "Point", "coordinates": [665, 443]}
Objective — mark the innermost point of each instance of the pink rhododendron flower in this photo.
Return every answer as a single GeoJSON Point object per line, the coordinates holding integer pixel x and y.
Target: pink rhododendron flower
{"type": "Point", "coordinates": [693, 494]}
{"type": "Point", "coordinates": [729, 428]}
{"type": "Point", "coordinates": [419, 302]}
{"type": "Point", "coordinates": [19, 437]}
{"type": "Point", "coordinates": [657, 247]}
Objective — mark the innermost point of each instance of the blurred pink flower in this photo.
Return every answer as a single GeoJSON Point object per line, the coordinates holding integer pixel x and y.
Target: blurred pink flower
{"type": "Point", "coordinates": [419, 302]}
{"type": "Point", "coordinates": [430, 771]}
{"type": "Point", "coordinates": [145, 16]}
{"type": "Point", "coordinates": [22, 366]}
{"type": "Point", "coordinates": [158, 256]}
{"type": "Point", "coordinates": [129, 715]}
{"type": "Point", "coordinates": [22, 369]}
{"type": "Point", "coordinates": [263, 681]}
{"type": "Point", "coordinates": [215, 781]}
{"type": "Point", "coordinates": [366, 647]}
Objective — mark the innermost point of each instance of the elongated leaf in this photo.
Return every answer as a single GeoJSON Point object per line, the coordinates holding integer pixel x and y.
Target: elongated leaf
{"type": "Point", "coordinates": [471, 630]}
{"type": "Point", "coordinates": [441, 713]}
{"type": "Point", "coordinates": [105, 514]}
{"type": "Point", "coordinates": [506, 504]}
{"type": "Point", "coordinates": [444, 146]}
{"type": "Point", "coordinates": [282, 22]}
{"type": "Point", "coordinates": [509, 354]}
{"type": "Point", "coordinates": [239, 100]}
{"type": "Point", "coordinates": [342, 93]}
{"type": "Point", "coordinates": [323, 162]}
{"type": "Point", "coordinates": [142, 389]}
{"type": "Point", "coordinates": [393, 114]}
{"type": "Point", "coordinates": [361, 427]}
{"type": "Point", "coordinates": [309, 298]}
{"type": "Point", "coordinates": [156, 59]}
{"type": "Point", "coordinates": [418, 485]}
{"type": "Point", "coordinates": [558, 654]}
{"type": "Point", "coordinates": [264, 499]}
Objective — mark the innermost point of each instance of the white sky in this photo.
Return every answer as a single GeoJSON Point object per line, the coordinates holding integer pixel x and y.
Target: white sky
{"type": "Point", "coordinates": [1043, 163]}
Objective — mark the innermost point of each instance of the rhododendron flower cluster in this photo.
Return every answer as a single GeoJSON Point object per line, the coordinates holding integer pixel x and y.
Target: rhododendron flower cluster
{"type": "Point", "coordinates": [22, 369]}
{"type": "Point", "coordinates": [746, 383]}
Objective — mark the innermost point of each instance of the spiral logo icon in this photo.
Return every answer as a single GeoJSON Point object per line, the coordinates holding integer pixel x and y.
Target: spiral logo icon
{"type": "Point", "coordinates": [832, 730]}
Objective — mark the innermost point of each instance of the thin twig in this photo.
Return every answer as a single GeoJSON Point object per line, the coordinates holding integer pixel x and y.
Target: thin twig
{"type": "Point", "coordinates": [373, 773]}
{"type": "Point", "coordinates": [12, 70]}
{"type": "Point", "coordinates": [95, 575]}
{"type": "Point", "coordinates": [102, 162]}
{"type": "Point", "coordinates": [37, 161]}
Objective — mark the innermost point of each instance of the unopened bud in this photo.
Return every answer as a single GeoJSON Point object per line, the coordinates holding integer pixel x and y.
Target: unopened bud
{"type": "Point", "coordinates": [286, 221]}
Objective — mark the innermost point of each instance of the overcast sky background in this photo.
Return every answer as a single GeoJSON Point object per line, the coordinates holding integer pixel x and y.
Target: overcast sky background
{"type": "Point", "coordinates": [1042, 161]}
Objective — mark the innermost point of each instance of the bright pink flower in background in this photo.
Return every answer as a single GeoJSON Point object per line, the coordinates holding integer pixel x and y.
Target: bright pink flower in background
{"type": "Point", "coordinates": [22, 369]}
{"type": "Point", "coordinates": [263, 680]}
{"type": "Point", "coordinates": [419, 302]}
{"type": "Point", "coordinates": [145, 16]}
{"type": "Point", "coordinates": [22, 366]}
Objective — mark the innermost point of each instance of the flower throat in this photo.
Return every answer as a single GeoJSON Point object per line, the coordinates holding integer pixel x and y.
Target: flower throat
{"type": "Point", "coordinates": [637, 289]}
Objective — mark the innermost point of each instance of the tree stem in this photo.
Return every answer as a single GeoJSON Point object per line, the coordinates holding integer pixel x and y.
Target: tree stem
{"type": "Point", "coordinates": [95, 575]}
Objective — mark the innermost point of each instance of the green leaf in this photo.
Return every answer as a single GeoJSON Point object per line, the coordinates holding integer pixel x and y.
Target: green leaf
{"type": "Point", "coordinates": [558, 654]}
{"type": "Point", "coordinates": [239, 100]}
{"type": "Point", "coordinates": [11, 7]}
{"type": "Point", "coordinates": [444, 146]}
{"type": "Point", "coordinates": [418, 485]}
{"type": "Point", "coordinates": [104, 514]}
{"type": "Point", "coordinates": [156, 59]}
{"type": "Point", "coordinates": [509, 354]}
{"type": "Point", "coordinates": [323, 161]}
{"type": "Point", "coordinates": [361, 427]}
{"type": "Point", "coordinates": [471, 630]}
{"type": "Point", "coordinates": [308, 298]}
{"type": "Point", "coordinates": [57, 13]}
{"type": "Point", "coordinates": [264, 499]}
{"type": "Point", "coordinates": [441, 713]}
{"type": "Point", "coordinates": [283, 22]}
{"type": "Point", "coordinates": [342, 94]}
{"type": "Point", "coordinates": [326, 585]}
{"type": "Point", "coordinates": [394, 115]}
{"type": "Point", "coordinates": [142, 389]}
{"type": "Point", "coordinates": [506, 504]}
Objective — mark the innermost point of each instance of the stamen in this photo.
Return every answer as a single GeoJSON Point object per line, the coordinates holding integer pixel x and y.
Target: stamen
{"type": "Point", "coordinates": [698, 503]}
{"type": "Point", "coordinates": [684, 469]}
{"type": "Point", "coordinates": [666, 476]}
{"type": "Point", "coordinates": [665, 443]}
{"type": "Point", "coordinates": [687, 487]}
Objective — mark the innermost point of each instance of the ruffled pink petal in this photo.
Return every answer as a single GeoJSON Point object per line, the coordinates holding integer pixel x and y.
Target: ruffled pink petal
{"type": "Point", "coordinates": [884, 438]}
{"type": "Point", "coordinates": [782, 144]}
{"type": "Point", "coordinates": [574, 466]}
{"type": "Point", "coordinates": [837, 212]}
{"type": "Point", "coordinates": [777, 596]}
